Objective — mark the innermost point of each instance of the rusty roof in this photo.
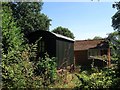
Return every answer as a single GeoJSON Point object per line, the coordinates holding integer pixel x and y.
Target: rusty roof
{"type": "Point", "coordinates": [87, 44]}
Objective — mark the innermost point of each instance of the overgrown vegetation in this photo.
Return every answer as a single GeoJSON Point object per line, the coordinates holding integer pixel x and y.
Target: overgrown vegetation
{"type": "Point", "coordinates": [46, 68]}
{"type": "Point", "coordinates": [21, 68]}
{"type": "Point", "coordinates": [17, 67]}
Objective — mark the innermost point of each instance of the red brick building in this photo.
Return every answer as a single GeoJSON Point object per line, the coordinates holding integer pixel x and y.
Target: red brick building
{"type": "Point", "coordinates": [91, 52]}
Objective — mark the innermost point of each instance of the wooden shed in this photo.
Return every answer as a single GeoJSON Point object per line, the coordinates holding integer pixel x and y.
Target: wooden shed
{"type": "Point", "coordinates": [55, 45]}
{"type": "Point", "coordinates": [92, 52]}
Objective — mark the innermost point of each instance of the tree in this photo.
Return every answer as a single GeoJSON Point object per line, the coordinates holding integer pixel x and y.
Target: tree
{"type": "Point", "coordinates": [12, 38]}
{"type": "Point", "coordinates": [17, 70]}
{"type": "Point", "coordinates": [115, 37]}
{"type": "Point", "coordinates": [64, 32]}
{"type": "Point", "coordinates": [28, 16]}
{"type": "Point", "coordinates": [115, 44]}
{"type": "Point", "coordinates": [116, 17]}
{"type": "Point", "coordinates": [11, 46]}
{"type": "Point", "coordinates": [97, 38]}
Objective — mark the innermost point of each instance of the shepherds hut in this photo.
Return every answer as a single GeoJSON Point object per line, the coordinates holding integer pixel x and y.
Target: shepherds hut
{"type": "Point", "coordinates": [55, 45]}
{"type": "Point", "coordinates": [92, 52]}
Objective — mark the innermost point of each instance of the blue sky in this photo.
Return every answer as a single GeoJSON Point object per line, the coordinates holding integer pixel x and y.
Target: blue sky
{"type": "Point", "coordinates": [84, 19]}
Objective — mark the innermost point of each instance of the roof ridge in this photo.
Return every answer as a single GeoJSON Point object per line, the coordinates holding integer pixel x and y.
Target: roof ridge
{"type": "Point", "coordinates": [62, 36]}
{"type": "Point", "coordinates": [90, 40]}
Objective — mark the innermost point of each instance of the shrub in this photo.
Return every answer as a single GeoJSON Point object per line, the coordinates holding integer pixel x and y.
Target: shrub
{"type": "Point", "coordinates": [17, 70]}
{"type": "Point", "coordinates": [46, 68]}
{"type": "Point", "coordinates": [95, 80]}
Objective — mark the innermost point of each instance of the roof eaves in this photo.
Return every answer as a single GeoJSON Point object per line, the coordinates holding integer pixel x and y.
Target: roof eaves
{"type": "Point", "coordinates": [64, 37]}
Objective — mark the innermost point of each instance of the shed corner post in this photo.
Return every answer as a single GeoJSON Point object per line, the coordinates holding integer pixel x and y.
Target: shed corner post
{"type": "Point", "coordinates": [74, 62]}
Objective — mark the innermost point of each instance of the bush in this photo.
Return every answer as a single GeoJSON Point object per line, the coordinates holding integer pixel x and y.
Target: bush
{"type": "Point", "coordinates": [17, 70]}
{"type": "Point", "coordinates": [46, 68]}
{"type": "Point", "coordinates": [95, 80]}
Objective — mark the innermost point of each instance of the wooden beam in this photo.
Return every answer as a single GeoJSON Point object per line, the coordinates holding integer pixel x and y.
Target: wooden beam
{"type": "Point", "coordinates": [108, 54]}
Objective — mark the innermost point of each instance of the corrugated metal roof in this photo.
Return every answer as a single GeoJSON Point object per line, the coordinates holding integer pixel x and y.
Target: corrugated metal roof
{"type": "Point", "coordinates": [40, 32]}
{"type": "Point", "coordinates": [64, 37]}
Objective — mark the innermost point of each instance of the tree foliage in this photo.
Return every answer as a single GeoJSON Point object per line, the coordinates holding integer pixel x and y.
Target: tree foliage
{"type": "Point", "coordinates": [17, 68]}
{"type": "Point", "coordinates": [115, 45]}
{"type": "Point", "coordinates": [115, 36]}
{"type": "Point", "coordinates": [12, 38]}
{"type": "Point", "coordinates": [114, 39]}
{"type": "Point", "coordinates": [116, 17]}
{"type": "Point", "coordinates": [28, 16]}
{"type": "Point", "coordinates": [97, 38]}
{"type": "Point", "coordinates": [63, 31]}
{"type": "Point", "coordinates": [11, 48]}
